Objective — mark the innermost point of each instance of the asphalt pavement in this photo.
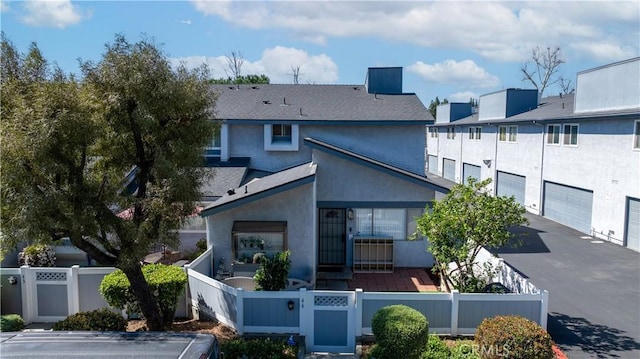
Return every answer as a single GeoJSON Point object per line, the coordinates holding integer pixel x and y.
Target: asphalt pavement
{"type": "Point", "coordinates": [594, 288]}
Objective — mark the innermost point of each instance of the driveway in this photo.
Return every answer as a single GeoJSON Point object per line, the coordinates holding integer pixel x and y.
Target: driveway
{"type": "Point", "coordinates": [594, 289]}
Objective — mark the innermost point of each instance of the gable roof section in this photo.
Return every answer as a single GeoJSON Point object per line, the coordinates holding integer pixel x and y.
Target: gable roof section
{"type": "Point", "coordinates": [263, 187]}
{"type": "Point", "coordinates": [316, 103]}
{"type": "Point", "coordinates": [374, 164]}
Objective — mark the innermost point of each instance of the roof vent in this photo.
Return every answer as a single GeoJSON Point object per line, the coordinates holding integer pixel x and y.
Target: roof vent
{"type": "Point", "coordinates": [231, 192]}
{"type": "Point", "coordinates": [284, 101]}
{"type": "Point", "coordinates": [231, 87]}
{"type": "Point", "coordinates": [356, 88]}
{"type": "Point", "coordinates": [255, 87]}
{"type": "Point", "coordinates": [266, 102]}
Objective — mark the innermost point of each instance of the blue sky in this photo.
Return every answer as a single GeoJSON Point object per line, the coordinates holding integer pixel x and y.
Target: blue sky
{"type": "Point", "coordinates": [449, 49]}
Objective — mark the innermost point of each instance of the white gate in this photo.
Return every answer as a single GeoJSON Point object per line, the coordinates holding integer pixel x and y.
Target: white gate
{"type": "Point", "coordinates": [48, 295]}
{"type": "Point", "coordinates": [331, 321]}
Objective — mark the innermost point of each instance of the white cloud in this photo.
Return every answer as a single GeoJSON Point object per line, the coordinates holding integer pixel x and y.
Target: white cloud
{"type": "Point", "coordinates": [500, 31]}
{"type": "Point", "coordinates": [463, 96]}
{"type": "Point", "coordinates": [52, 13]}
{"type": "Point", "coordinates": [3, 6]}
{"type": "Point", "coordinates": [276, 63]}
{"type": "Point", "coordinates": [453, 72]}
{"type": "Point", "coordinates": [186, 22]}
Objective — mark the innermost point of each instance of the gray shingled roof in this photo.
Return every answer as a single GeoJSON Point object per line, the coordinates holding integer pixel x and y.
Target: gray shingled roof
{"type": "Point", "coordinates": [262, 187]}
{"type": "Point", "coordinates": [220, 179]}
{"type": "Point", "coordinates": [551, 108]}
{"type": "Point", "coordinates": [315, 103]}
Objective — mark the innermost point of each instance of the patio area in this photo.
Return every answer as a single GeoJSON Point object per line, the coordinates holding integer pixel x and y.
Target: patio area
{"type": "Point", "coordinates": [401, 280]}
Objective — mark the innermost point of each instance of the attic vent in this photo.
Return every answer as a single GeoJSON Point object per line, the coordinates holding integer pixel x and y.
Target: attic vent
{"type": "Point", "coordinates": [356, 88]}
{"type": "Point", "coordinates": [266, 102]}
{"type": "Point", "coordinates": [231, 192]}
{"type": "Point", "coordinates": [231, 87]}
{"type": "Point", "coordinates": [255, 87]}
{"type": "Point", "coordinates": [284, 101]}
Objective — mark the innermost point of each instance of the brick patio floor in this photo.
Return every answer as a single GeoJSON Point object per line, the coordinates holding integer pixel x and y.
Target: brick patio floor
{"type": "Point", "coordinates": [401, 280]}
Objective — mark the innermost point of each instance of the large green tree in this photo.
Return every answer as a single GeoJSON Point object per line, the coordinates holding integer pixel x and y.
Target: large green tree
{"type": "Point", "coordinates": [468, 218]}
{"type": "Point", "coordinates": [68, 144]}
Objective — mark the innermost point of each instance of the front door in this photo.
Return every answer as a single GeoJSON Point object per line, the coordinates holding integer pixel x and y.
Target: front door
{"type": "Point", "coordinates": [332, 228]}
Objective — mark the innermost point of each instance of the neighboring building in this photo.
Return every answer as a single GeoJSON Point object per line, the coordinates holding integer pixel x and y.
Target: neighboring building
{"type": "Point", "coordinates": [572, 158]}
{"type": "Point", "coordinates": [334, 175]}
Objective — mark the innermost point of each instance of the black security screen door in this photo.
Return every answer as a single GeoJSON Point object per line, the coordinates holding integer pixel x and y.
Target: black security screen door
{"type": "Point", "coordinates": [332, 246]}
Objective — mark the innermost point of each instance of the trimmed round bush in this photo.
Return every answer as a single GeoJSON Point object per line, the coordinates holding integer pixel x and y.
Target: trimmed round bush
{"type": "Point", "coordinates": [166, 282]}
{"type": "Point", "coordinates": [102, 320]}
{"type": "Point", "coordinates": [513, 336]}
{"type": "Point", "coordinates": [11, 323]}
{"type": "Point", "coordinates": [400, 332]}
{"type": "Point", "coordinates": [38, 255]}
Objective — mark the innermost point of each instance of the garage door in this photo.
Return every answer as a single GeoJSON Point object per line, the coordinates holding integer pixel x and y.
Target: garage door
{"type": "Point", "coordinates": [449, 169]}
{"type": "Point", "coordinates": [568, 205]}
{"type": "Point", "coordinates": [469, 170]}
{"type": "Point", "coordinates": [633, 224]}
{"type": "Point", "coordinates": [511, 185]}
{"type": "Point", "coordinates": [433, 164]}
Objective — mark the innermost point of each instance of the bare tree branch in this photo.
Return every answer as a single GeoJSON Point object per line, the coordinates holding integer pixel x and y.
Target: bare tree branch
{"type": "Point", "coordinates": [546, 68]}
{"type": "Point", "coordinates": [234, 63]}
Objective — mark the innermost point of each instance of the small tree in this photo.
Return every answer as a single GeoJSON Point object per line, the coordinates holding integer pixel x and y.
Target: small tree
{"type": "Point", "coordinates": [465, 220]}
{"type": "Point", "coordinates": [273, 272]}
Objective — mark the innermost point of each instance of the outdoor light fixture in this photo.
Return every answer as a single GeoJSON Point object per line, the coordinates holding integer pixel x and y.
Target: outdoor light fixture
{"type": "Point", "coordinates": [290, 304]}
{"type": "Point", "coordinates": [12, 280]}
{"type": "Point", "coordinates": [350, 213]}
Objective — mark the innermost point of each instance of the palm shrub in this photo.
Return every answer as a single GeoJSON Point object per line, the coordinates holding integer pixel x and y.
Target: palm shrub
{"type": "Point", "coordinates": [98, 320]}
{"type": "Point", "coordinates": [38, 255]}
{"type": "Point", "coordinates": [11, 323]}
{"type": "Point", "coordinates": [512, 336]}
{"type": "Point", "coordinates": [273, 272]}
{"type": "Point", "coordinates": [166, 282]}
{"type": "Point", "coordinates": [400, 332]}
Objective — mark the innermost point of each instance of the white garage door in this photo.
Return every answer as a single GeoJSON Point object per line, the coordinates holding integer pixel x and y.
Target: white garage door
{"type": "Point", "coordinates": [469, 170]}
{"type": "Point", "coordinates": [433, 164]}
{"type": "Point", "coordinates": [633, 224]}
{"type": "Point", "coordinates": [568, 205]}
{"type": "Point", "coordinates": [449, 169]}
{"type": "Point", "coordinates": [511, 185]}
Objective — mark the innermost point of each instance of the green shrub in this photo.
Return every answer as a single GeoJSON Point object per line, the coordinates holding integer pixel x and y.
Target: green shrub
{"type": "Point", "coordinates": [201, 247]}
{"type": "Point", "coordinates": [258, 349]}
{"type": "Point", "coordinates": [512, 337]}
{"type": "Point", "coordinates": [11, 323]}
{"type": "Point", "coordinates": [464, 349]}
{"type": "Point", "coordinates": [38, 255]}
{"type": "Point", "coordinates": [400, 332]}
{"type": "Point", "coordinates": [273, 272]}
{"type": "Point", "coordinates": [436, 349]}
{"type": "Point", "coordinates": [166, 282]}
{"type": "Point", "coordinates": [98, 320]}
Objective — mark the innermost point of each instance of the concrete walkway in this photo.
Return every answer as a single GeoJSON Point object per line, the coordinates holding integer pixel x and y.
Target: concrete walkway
{"type": "Point", "coordinates": [594, 289]}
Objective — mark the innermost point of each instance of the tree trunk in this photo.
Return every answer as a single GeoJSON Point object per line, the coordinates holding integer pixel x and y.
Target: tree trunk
{"type": "Point", "coordinates": [146, 300]}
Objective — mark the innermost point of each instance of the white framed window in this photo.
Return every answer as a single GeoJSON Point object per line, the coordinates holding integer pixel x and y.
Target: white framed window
{"type": "Point", "coordinates": [553, 134]}
{"type": "Point", "coordinates": [475, 133]}
{"type": "Point", "coordinates": [451, 133]}
{"type": "Point", "coordinates": [570, 135]}
{"type": "Point", "coordinates": [399, 223]}
{"type": "Point", "coordinates": [215, 140]}
{"type": "Point", "coordinates": [636, 135]}
{"type": "Point", "coordinates": [513, 133]}
{"type": "Point", "coordinates": [433, 132]}
{"type": "Point", "coordinates": [508, 133]}
{"type": "Point", "coordinates": [281, 137]}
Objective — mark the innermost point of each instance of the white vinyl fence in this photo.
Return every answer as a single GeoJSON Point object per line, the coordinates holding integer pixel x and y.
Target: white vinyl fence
{"type": "Point", "coordinates": [329, 320]}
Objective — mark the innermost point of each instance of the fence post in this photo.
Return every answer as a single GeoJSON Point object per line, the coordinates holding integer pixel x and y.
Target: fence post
{"type": "Point", "coordinates": [358, 312]}
{"type": "Point", "coordinates": [455, 296]}
{"type": "Point", "coordinates": [544, 308]}
{"type": "Point", "coordinates": [302, 312]}
{"type": "Point", "coordinates": [240, 311]}
{"type": "Point", "coordinates": [27, 294]}
{"type": "Point", "coordinates": [73, 290]}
